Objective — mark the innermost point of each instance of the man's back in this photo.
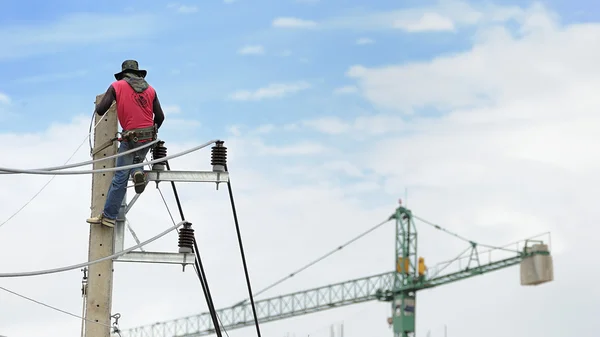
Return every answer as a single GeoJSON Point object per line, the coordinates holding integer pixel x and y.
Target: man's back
{"type": "Point", "coordinates": [134, 104]}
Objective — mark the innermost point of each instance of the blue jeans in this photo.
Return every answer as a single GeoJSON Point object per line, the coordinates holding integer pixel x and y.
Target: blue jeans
{"type": "Point", "coordinates": [116, 193]}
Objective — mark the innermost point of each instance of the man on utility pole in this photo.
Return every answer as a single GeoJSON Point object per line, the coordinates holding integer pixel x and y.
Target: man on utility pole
{"type": "Point", "coordinates": [140, 115]}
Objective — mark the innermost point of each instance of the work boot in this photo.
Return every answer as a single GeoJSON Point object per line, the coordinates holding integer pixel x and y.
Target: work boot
{"type": "Point", "coordinates": [139, 181]}
{"type": "Point", "coordinates": [101, 219]}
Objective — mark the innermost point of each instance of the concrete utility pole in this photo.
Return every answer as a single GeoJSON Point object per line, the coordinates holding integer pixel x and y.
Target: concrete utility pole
{"type": "Point", "coordinates": [100, 279]}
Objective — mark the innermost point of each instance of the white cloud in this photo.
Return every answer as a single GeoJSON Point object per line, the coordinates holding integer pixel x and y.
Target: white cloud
{"type": "Point", "coordinates": [235, 130]}
{"type": "Point", "coordinates": [274, 90]}
{"type": "Point", "coordinates": [263, 129]}
{"type": "Point", "coordinates": [303, 148]}
{"type": "Point", "coordinates": [364, 40]}
{"type": "Point", "coordinates": [348, 89]}
{"type": "Point", "coordinates": [171, 109]}
{"type": "Point", "coordinates": [367, 124]}
{"type": "Point", "coordinates": [252, 50]}
{"type": "Point", "coordinates": [286, 53]}
{"type": "Point", "coordinates": [183, 9]}
{"type": "Point", "coordinates": [52, 77]}
{"type": "Point", "coordinates": [428, 22]}
{"type": "Point", "coordinates": [331, 125]}
{"type": "Point", "coordinates": [74, 30]}
{"type": "Point", "coordinates": [175, 124]}
{"type": "Point", "coordinates": [4, 98]}
{"type": "Point", "coordinates": [447, 15]}
{"type": "Point", "coordinates": [290, 22]}
{"type": "Point", "coordinates": [485, 75]}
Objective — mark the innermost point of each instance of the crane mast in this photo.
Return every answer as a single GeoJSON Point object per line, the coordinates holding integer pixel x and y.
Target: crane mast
{"type": "Point", "coordinates": [407, 265]}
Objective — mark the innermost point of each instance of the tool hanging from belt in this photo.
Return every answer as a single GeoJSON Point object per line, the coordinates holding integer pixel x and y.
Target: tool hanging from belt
{"type": "Point", "coordinates": [138, 135]}
{"type": "Point", "coordinates": [131, 136]}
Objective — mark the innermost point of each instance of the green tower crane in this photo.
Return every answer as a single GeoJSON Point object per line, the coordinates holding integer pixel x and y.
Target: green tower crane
{"type": "Point", "coordinates": [399, 287]}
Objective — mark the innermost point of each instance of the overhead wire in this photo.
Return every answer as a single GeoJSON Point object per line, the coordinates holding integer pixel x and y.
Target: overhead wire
{"type": "Point", "coordinates": [110, 169]}
{"type": "Point", "coordinates": [51, 307]}
{"type": "Point", "coordinates": [243, 255]}
{"type": "Point", "coordinates": [198, 267]}
{"type": "Point", "coordinates": [62, 167]}
{"type": "Point", "coordinates": [139, 245]}
{"type": "Point", "coordinates": [85, 264]}
{"type": "Point", "coordinates": [70, 166]}
{"type": "Point", "coordinates": [321, 258]}
{"type": "Point", "coordinates": [49, 180]}
{"type": "Point", "coordinates": [90, 130]}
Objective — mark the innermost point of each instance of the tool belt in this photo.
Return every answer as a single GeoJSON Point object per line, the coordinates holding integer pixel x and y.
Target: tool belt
{"type": "Point", "coordinates": [137, 135]}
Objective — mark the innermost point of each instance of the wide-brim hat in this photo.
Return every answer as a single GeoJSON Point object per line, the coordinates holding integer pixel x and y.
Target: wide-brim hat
{"type": "Point", "coordinates": [130, 66]}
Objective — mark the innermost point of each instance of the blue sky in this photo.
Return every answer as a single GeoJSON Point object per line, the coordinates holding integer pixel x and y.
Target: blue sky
{"type": "Point", "coordinates": [61, 54]}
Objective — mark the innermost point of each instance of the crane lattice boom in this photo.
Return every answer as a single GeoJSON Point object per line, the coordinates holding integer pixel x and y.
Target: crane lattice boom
{"type": "Point", "coordinates": [382, 287]}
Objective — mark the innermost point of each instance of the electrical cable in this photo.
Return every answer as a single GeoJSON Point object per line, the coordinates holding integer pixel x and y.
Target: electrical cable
{"type": "Point", "coordinates": [323, 257]}
{"type": "Point", "coordinates": [49, 180]}
{"type": "Point", "coordinates": [90, 130]}
{"type": "Point", "coordinates": [239, 235]}
{"type": "Point", "coordinates": [85, 264]}
{"type": "Point", "coordinates": [176, 194]}
{"type": "Point", "coordinates": [198, 266]}
{"type": "Point", "coordinates": [204, 283]}
{"type": "Point", "coordinates": [62, 167]}
{"type": "Point", "coordinates": [111, 169]}
{"type": "Point", "coordinates": [51, 307]}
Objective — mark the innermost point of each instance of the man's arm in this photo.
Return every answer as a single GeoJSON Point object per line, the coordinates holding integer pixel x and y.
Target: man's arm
{"type": "Point", "coordinates": [159, 115]}
{"type": "Point", "coordinates": [107, 101]}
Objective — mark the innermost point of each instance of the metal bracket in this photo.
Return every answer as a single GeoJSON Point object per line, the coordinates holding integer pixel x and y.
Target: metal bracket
{"type": "Point", "coordinates": [157, 257]}
{"type": "Point", "coordinates": [187, 176]}
{"type": "Point", "coordinates": [104, 146]}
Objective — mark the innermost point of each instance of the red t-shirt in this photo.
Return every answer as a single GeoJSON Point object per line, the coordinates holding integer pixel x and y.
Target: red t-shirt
{"type": "Point", "coordinates": [134, 109]}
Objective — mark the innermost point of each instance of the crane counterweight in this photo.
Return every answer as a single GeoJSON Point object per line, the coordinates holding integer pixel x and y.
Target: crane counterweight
{"type": "Point", "coordinates": [537, 268]}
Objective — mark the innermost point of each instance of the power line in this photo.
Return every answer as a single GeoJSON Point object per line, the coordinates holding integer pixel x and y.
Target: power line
{"type": "Point", "coordinates": [51, 307]}
{"type": "Point", "coordinates": [323, 257]}
{"type": "Point", "coordinates": [237, 228]}
{"type": "Point", "coordinates": [197, 265]}
{"type": "Point", "coordinates": [112, 169]}
{"type": "Point", "coordinates": [62, 167]}
{"type": "Point", "coordinates": [85, 264]}
{"type": "Point", "coordinates": [50, 180]}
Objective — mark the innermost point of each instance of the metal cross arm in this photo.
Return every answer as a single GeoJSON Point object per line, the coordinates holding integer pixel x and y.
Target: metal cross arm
{"type": "Point", "coordinates": [158, 257]}
{"type": "Point", "coordinates": [187, 176]}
